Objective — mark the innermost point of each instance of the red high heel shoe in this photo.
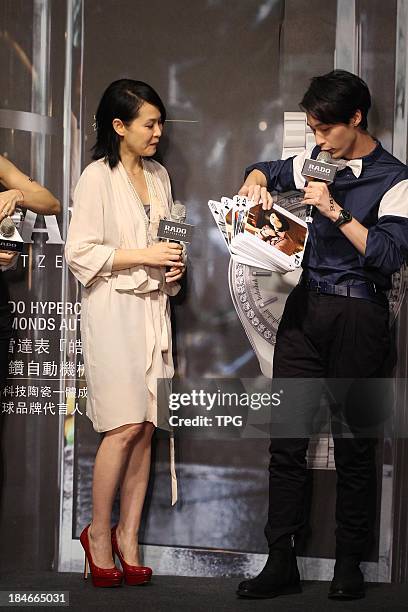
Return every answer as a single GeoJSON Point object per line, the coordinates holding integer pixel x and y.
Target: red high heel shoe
{"type": "Point", "coordinates": [133, 574]}
{"type": "Point", "coordinates": [101, 577]}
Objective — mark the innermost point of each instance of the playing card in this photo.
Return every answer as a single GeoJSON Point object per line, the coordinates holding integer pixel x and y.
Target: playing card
{"type": "Point", "coordinates": [226, 207]}
{"type": "Point", "coordinates": [218, 215]}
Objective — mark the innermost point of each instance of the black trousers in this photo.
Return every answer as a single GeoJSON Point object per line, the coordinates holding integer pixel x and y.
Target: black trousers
{"type": "Point", "coordinates": [324, 338]}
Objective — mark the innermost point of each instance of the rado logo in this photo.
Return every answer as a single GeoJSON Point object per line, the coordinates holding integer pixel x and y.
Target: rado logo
{"type": "Point", "coordinates": [173, 230]}
{"type": "Point", "coordinates": [180, 231]}
{"type": "Point", "coordinates": [316, 169]}
{"type": "Point", "coordinates": [319, 168]}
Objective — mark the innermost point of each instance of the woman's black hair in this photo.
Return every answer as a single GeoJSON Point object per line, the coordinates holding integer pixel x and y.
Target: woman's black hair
{"type": "Point", "coordinates": [121, 100]}
{"type": "Point", "coordinates": [336, 96]}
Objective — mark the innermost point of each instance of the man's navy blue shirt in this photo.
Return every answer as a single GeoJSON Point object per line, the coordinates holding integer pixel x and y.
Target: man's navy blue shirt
{"type": "Point", "coordinates": [378, 199]}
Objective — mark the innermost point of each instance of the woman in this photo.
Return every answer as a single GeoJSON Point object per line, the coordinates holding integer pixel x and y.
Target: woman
{"type": "Point", "coordinates": [284, 242]}
{"type": "Point", "coordinates": [276, 234]}
{"type": "Point", "coordinates": [113, 251]}
{"type": "Point", "coordinates": [26, 193]}
{"type": "Point", "coordinates": [279, 224]}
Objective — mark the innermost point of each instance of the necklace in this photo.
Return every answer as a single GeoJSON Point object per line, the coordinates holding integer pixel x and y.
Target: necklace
{"type": "Point", "coordinates": [151, 191]}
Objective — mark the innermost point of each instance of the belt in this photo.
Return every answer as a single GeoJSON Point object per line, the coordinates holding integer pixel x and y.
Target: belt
{"type": "Point", "coordinates": [366, 291]}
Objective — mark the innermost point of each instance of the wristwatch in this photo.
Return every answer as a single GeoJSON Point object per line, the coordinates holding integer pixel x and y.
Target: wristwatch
{"type": "Point", "coordinates": [345, 216]}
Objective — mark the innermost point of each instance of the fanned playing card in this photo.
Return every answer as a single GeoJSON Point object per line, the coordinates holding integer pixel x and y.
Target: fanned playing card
{"type": "Point", "coordinates": [267, 239]}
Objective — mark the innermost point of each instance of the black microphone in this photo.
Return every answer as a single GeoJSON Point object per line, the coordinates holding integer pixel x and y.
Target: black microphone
{"type": "Point", "coordinates": [320, 169]}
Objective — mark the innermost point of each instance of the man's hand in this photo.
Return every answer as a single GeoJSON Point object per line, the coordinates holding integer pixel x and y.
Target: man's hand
{"type": "Point", "coordinates": [255, 189]}
{"type": "Point", "coordinates": [257, 194]}
{"type": "Point", "coordinates": [317, 194]}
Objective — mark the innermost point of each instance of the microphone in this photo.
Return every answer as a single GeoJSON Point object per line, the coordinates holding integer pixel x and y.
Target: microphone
{"type": "Point", "coordinates": [178, 215]}
{"type": "Point", "coordinates": [324, 156]}
{"type": "Point", "coordinates": [7, 227]}
{"type": "Point", "coordinates": [178, 212]}
{"type": "Point", "coordinates": [10, 239]}
{"type": "Point", "coordinates": [320, 169]}
{"type": "Point", "coordinates": [175, 229]}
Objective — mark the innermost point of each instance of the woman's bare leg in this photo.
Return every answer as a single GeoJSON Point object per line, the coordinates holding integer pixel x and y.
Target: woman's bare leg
{"type": "Point", "coordinates": [132, 494]}
{"type": "Point", "coordinates": [110, 465]}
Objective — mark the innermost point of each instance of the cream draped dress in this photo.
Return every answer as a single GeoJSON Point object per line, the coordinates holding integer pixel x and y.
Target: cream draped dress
{"type": "Point", "coordinates": [125, 321]}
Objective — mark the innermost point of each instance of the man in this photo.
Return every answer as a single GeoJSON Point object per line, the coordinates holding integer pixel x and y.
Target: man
{"type": "Point", "coordinates": [335, 322]}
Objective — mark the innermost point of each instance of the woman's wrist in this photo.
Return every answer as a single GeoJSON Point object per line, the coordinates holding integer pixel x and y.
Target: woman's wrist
{"type": "Point", "coordinates": [139, 257]}
{"type": "Point", "coordinates": [128, 258]}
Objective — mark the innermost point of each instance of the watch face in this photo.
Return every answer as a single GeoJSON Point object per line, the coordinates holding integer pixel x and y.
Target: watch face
{"type": "Point", "coordinates": [347, 216]}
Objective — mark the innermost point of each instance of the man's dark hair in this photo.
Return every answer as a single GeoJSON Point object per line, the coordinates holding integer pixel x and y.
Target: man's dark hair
{"type": "Point", "coordinates": [336, 96]}
{"type": "Point", "coordinates": [121, 100]}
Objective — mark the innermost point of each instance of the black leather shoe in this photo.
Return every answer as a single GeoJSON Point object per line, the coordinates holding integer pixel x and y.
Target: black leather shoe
{"type": "Point", "coordinates": [348, 580]}
{"type": "Point", "coordinates": [280, 576]}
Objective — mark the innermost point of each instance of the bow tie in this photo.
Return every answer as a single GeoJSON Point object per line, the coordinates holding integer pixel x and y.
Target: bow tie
{"type": "Point", "coordinates": [356, 165]}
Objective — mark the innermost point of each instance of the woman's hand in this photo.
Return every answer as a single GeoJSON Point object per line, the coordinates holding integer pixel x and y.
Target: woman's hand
{"type": "Point", "coordinates": [174, 274]}
{"type": "Point", "coordinates": [164, 254]}
{"type": "Point", "coordinates": [8, 202]}
{"type": "Point", "coordinates": [7, 257]}
{"type": "Point", "coordinates": [26, 191]}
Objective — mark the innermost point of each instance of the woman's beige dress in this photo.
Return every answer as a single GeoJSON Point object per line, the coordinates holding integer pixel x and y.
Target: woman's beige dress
{"type": "Point", "coordinates": [125, 322]}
